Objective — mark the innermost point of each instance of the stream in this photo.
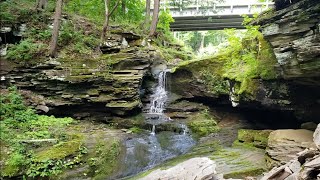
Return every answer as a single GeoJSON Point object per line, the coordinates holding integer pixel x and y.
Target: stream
{"type": "Point", "coordinates": [148, 150]}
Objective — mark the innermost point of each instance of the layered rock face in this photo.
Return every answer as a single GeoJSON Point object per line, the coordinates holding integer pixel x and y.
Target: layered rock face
{"type": "Point", "coordinates": [96, 88]}
{"type": "Point", "coordinates": [293, 33]}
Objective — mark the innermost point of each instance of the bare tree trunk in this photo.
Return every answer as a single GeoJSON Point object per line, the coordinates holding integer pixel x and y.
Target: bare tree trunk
{"type": "Point", "coordinates": [155, 17]}
{"type": "Point", "coordinates": [123, 7]}
{"type": "Point", "coordinates": [106, 22]}
{"type": "Point", "coordinates": [41, 4]}
{"type": "Point", "coordinates": [56, 27]}
{"type": "Point", "coordinates": [147, 18]}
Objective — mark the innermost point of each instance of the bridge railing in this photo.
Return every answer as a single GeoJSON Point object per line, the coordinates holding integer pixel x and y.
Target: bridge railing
{"type": "Point", "coordinates": [228, 7]}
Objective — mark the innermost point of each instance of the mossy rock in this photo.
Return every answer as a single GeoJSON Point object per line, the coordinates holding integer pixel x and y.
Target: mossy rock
{"type": "Point", "coordinates": [255, 138]}
{"type": "Point", "coordinates": [59, 151]}
{"type": "Point", "coordinates": [124, 104]}
{"type": "Point", "coordinates": [202, 124]}
{"type": "Point", "coordinates": [105, 161]}
{"type": "Point", "coordinates": [256, 171]}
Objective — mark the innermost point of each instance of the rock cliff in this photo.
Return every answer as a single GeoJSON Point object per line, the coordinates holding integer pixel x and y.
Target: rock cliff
{"type": "Point", "coordinates": [97, 88]}
{"type": "Point", "coordinates": [287, 75]}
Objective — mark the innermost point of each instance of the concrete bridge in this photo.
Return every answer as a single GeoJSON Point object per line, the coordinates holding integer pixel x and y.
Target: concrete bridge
{"type": "Point", "coordinates": [198, 16]}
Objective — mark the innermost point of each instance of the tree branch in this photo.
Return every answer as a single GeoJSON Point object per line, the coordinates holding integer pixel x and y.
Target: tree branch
{"type": "Point", "coordinates": [114, 8]}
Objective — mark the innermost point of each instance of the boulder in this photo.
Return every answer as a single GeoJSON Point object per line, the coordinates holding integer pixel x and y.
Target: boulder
{"type": "Point", "coordinates": [257, 138]}
{"type": "Point", "coordinates": [309, 126]}
{"type": "Point", "coordinates": [316, 136]}
{"type": "Point", "coordinates": [192, 169]}
{"type": "Point", "coordinates": [305, 166]}
{"type": "Point", "coordinates": [283, 145]}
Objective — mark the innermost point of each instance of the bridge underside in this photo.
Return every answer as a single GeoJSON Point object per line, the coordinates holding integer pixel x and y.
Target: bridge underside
{"type": "Point", "coordinates": [203, 23]}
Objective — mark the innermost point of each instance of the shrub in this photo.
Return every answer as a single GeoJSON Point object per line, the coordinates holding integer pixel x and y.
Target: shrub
{"type": "Point", "coordinates": [26, 50]}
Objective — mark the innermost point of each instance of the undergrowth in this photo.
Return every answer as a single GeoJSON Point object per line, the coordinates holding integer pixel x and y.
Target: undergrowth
{"type": "Point", "coordinates": [23, 132]}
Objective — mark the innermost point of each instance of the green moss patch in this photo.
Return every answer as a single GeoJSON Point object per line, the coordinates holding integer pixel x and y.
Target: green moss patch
{"type": "Point", "coordinates": [245, 173]}
{"type": "Point", "coordinates": [202, 124]}
{"type": "Point", "coordinates": [247, 59]}
{"type": "Point", "coordinates": [255, 138]}
{"type": "Point", "coordinates": [105, 161]}
{"type": "Point", "coordinates": [59, 151]}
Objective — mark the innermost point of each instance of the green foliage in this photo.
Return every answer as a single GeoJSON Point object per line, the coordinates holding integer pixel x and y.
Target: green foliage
{"type": "Point", "coordinates": [75, 41]}
{"type": "Point", "coordinates": [53, 166]}
{"type": "Point", "coordinates": [11, 10]}
{"type": "Point", "coordinates": [18, 125]}
{"type": "Point", "coordinates": [215, 83]}
{"type": "Point", "coordinates": [248, 57]}
{"type": "Point", "coordinates": [94, 10]}
{"type": "Point", "coordinates": [91, 9]}
{"type": "Point", "coordinates": [136, 130]}
{"type": "Point", "coordinates": [165, 19]}
{"type": "Point", "coordinates": [26, 50]}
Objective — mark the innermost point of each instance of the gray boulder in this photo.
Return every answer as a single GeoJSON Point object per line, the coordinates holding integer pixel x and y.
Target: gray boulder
{"type": "Point", "coordinates": [283, 145]}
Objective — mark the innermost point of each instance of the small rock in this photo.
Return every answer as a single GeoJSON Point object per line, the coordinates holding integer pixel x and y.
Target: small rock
{"type": "Point", "coordinates": [306, 154]}
{"type": "Point", "coordinates": [309, 126]}
{"type": "Point", "coordinates": [295, 166]}
{"type": "Point", "coordinates": [275, 172]}
{"type": "Point", "coordinates": [124, 130]}
{"type": "Point", "coordinates": [293, 176]}
{"type": "Point", "coordinates": [315, 163]}
{"type": "Point", "coordinates": [124, 43]}
{"type": "Point", "coordinates": [305, 173]}
{"type": "Point", "coordinates": [42, 108]}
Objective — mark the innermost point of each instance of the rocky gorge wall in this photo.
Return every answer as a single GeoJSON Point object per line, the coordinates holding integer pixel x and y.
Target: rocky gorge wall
{"type": "Point", "coordinates": [292, 35]}
{"type": "Point", "coordinates": [97, 89]}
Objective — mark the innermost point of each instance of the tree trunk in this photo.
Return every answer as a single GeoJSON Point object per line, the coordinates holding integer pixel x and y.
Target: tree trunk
{"type": "Point", "coordinates": [41, 4]}
{"type": "Point", "coordinates": [106, 22]}
{"type": "Point", "coordinates": [147, 18]}
{"type": "Point", "coordinates": [123, 7]}
{"type": "Point", "coordinates": [155, 17]}
{"type": "Point", "coordinates": [56, 27]}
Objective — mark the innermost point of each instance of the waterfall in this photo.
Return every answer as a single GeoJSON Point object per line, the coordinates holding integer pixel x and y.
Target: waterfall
{"type": "Point", "coordinates": [233, 97]}
{"type": "Point", "coordinates": [159, 97]}
{"type": "Point", "coordinates": [153, 132]}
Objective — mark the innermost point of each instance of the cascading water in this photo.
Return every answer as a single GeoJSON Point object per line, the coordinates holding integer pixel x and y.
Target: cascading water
{"type": "Point", "coordinates": [144, 152]}
{"type": "Point", "coordinates": [159, 97]}
{"type": "Point", "coordinates": [158, 101]}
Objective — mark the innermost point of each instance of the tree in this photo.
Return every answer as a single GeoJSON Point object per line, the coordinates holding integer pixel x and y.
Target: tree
{"type": "Point", "coordinates": [123, 7]}
{"type": "Point", "coordinates": [41, 4]}
{"type": "Point", "coordinates": [147, 18]}
{"type": "Point", "coordinates": [155, 17]}
{"type": "Point", "coordinates": [55, 30]}
{"type": "Point", "coordinates": [107, 17]}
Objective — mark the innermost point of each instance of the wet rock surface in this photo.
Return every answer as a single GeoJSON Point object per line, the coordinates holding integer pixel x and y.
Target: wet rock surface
{"type": "Point", "coordinates": [195, 168]}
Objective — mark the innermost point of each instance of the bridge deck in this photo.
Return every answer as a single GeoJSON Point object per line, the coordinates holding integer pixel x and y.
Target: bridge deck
{"type": "Point", "coordinates": [219, 16]}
